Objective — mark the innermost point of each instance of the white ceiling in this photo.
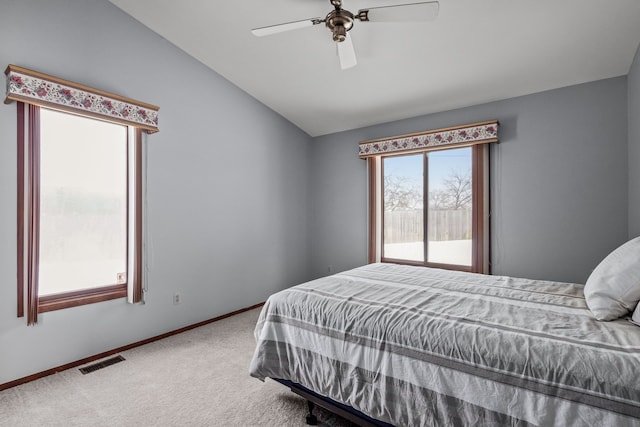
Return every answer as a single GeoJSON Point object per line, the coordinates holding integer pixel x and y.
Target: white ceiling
{"type": "Point", "coordinates": [476, 51]}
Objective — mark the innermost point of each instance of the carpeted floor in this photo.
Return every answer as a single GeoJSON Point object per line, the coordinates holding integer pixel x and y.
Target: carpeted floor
{"type": "Point", "coordinates": [197, 378]}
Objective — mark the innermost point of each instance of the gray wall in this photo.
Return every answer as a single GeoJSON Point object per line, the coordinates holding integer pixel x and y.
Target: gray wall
{"type": "Point", "coordinates": [558, 182]}
{"type": "Point", "coordinates": [633, 94]}
{"type": "Point", "coordinates": [227, 184]}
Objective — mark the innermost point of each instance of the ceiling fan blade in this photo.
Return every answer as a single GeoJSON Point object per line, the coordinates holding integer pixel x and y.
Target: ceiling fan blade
{"type": "Point", "coordinates": [274, 29]}
{"type": "Point", "coordinates": [413, 12]}
{"type": "Point", "coordinates": [347, 53]}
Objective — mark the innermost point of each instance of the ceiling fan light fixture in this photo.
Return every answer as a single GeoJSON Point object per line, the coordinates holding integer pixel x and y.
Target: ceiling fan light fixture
{"type": "Point", "coordinates": [339, 21]}
{"type": "Point", "coordinates": [339, 33]}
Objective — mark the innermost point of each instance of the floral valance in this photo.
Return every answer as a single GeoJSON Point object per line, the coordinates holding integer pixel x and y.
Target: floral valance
{"type": "Point", "coordinates": [438, 139]}
{"type": "Point", "coordinates": [37, 88]}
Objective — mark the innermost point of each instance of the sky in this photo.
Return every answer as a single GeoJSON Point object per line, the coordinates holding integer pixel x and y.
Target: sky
{"type": "Point", "coordinates": [441, 163]}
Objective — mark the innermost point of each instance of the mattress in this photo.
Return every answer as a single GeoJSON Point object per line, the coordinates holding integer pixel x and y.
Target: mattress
{"type": "Point", "coordinates": [416, 346]}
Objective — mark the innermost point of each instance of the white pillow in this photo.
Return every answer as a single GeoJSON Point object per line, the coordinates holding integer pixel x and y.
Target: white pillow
{"type": "Point", "coordinates": [636, 315]}
{"type": "Point", "coordinates": [613, 289]}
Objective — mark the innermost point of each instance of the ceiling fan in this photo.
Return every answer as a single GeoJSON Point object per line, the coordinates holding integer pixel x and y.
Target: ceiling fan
{"type": "Point", "coordinates": [339, 21]}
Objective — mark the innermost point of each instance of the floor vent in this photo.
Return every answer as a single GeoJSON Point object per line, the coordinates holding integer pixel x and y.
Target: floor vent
{"type": "Point", "coordinates": [100, 365]}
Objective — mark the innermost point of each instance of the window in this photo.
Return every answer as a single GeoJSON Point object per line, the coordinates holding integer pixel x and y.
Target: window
{"type": "Point", "coordinates": [429, 198]}
{"type": "Point", "coordinates": [83, 203]}
{"type": "Point", "coordinates": [80, 187]}
{"type": "Point", "coordinates": [432, 189]}
{"type": "Point", "coordinates": [79, 198]}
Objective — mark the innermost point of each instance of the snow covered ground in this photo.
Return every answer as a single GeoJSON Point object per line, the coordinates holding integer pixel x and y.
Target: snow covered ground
{"type": "Point", "coordinates": [447, 252]}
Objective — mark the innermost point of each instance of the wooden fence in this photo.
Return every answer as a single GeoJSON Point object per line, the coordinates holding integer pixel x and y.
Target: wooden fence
{"type": "Point", "coordinates": [407, 226]}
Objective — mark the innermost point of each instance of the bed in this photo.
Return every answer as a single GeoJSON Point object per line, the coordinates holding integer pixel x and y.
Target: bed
{"type": "Point", "coordinates": [416, 346]}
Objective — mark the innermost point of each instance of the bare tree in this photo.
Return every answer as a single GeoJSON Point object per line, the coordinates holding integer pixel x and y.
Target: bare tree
{"type": "Point", "coordinates": [457, 186]}
{"type": "Point", "coordinates": [438, 199]}
{"type": "Point", "coordinates": [400, 194]}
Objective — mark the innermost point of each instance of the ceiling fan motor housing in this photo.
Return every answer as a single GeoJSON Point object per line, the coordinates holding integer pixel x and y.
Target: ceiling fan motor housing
{"type": "Point", "coordinates": [339, 21]}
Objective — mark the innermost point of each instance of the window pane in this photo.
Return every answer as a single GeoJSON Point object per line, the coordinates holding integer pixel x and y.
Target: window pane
{"type": "Point", "coordinates": [83, 203]}
{"type": "Point", "coordinates": [449, 207]}
{"type": "Point", "coordinates": [403, 185]}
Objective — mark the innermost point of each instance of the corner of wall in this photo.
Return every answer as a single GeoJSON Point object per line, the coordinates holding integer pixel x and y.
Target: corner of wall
{"type": "Point", "coordinates": [633, 131]}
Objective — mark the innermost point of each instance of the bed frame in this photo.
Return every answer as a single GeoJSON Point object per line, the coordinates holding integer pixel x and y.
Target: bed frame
{"type": "Point", "coordinates": [340, 409]}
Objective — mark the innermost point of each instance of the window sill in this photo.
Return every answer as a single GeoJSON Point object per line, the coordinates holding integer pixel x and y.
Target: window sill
{"type": "Point", "coordinates": [83, 297]}
{"type": "Point", "coordinates": [455, 267]}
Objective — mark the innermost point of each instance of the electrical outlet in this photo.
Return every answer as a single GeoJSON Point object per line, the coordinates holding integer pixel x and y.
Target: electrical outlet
{"type": "Point", "coordinates": [177, 298]}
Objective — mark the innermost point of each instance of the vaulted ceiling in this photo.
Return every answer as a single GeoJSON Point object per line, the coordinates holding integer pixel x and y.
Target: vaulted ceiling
{"type": "Point", "coordinates": [475, 51]}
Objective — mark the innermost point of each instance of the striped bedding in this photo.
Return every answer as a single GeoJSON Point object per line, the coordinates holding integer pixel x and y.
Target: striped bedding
{"type": "Point", "coordinates": [415, 346]}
